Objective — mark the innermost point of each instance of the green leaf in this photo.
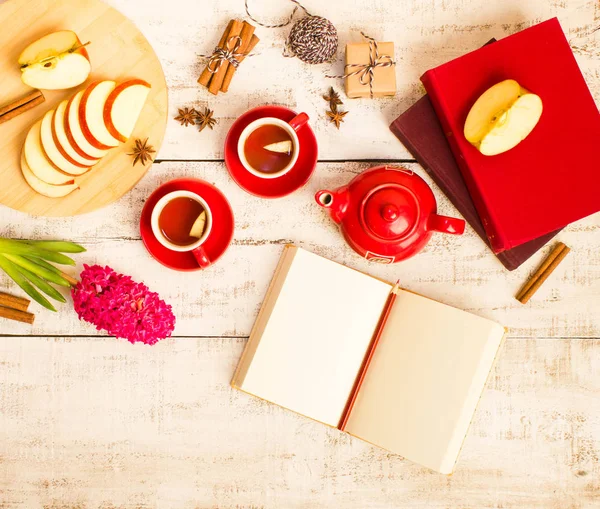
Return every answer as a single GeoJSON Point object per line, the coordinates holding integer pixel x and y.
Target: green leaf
{"type": "Point", "coordinates": [18, 278]}
{"type": "Point", "coordinates": [38, 270]}
{"type": "Point", "coordinates": [57, 245]}
{"type": "Point", "coordinates": [44, 264]}
{"type": "Point", "coordinates": [8, 246]}
{"type": "Point", "coordinates": [42, 285]}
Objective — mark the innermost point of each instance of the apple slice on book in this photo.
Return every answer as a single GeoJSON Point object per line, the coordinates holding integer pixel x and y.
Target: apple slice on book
{"type": "Point", "coordinates": [43, 188]}
{"type": "Point", "coordinates": [123, 107]}
{"type": "Point", "coordinates": [56, 61]}
{"type": "Point", "coordinates": [502, 117]}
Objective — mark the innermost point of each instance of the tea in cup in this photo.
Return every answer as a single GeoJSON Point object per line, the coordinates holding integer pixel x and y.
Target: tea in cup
{"type": "Point", "coordinates": [182, 221]}
{"type": "Point", "coordinates": [269, 147]}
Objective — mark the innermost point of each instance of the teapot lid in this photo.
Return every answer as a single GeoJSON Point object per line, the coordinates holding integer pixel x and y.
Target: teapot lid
{"type": "Point", "coordinates": [390, 211]}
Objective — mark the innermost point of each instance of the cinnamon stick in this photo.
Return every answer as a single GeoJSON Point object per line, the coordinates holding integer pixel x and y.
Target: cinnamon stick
{"type": "Point", "coordinates": [15, 314]}
{"type": "Point", "coordinates": [245, 48]}
{"type": "Point", "coordinates": [206, 75]}
{"type": "Point", "coordinates": [218, 77]}
{"type": "Point", "coordinates": [14, 302]}
{"type": "Point", "coordinates": [542, 273]}
{"type": "Point", "coordinates": [21, 105]}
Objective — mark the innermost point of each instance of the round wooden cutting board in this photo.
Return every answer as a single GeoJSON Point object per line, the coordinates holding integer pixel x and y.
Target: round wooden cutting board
{"type": "Point", "coordinates": [118, 51]}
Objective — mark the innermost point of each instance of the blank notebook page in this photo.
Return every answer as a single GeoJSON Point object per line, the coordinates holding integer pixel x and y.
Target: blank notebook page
{"type": "Point", "coordinates": [316, 337]}
{"type": "Point", "coordinates": [424, 381]}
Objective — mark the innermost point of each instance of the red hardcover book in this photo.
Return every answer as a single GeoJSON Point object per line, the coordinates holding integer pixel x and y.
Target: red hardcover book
{"type": "Point", "coordinates": [419, 130]}
{"type": "Point", "coordinates": [551, 178]}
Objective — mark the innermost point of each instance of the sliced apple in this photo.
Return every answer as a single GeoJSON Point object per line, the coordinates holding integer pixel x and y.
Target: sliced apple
{"type": "Point", "coordinates": [56, 61]}
{"type": "Point", "coordinates": [513, 126]}
{"type": "Point", "coordinates": [38, 161]}
{"type": "Point", "coordinates": [41, 187]}
{"type": "Point", "coordinates": [281, 147]}
{"type": "Point", "coordinates": [74, 131]}
{"type": "Point", "coordinates": [502, 117]}
{"type": "Point", "coordinates": [62, 140]}
{"type": "Point", "coordinates": [123, 107]}
{"type": "Point", "coordinates": [52, 150]}
{"type": "Point", "coordinates": [91, 115]}
{"type": "Point", "coordinates": [197, 229]}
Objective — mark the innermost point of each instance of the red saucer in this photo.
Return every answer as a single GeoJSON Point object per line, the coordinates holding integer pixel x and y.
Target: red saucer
{"type": "Point", "coordinates": [277, 187]}
{"type": "Point", "coordinates": [216, 243]}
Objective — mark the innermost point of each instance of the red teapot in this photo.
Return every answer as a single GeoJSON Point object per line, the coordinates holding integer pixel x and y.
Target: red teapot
{"type": "Point", "coordinates": [387, 214]}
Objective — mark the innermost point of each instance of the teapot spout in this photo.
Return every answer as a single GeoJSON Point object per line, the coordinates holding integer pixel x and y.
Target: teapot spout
{"type": "Point", "coordinates": [334, 201]}
{"type": "Point", "coordinates": [445, 224]}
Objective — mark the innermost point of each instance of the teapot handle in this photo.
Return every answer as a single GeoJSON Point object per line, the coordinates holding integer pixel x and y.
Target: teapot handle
{"type": "Point", "coordinates": [445, 224]}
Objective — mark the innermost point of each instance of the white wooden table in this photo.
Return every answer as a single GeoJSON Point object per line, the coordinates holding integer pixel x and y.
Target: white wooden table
{"type": "Point", "coordinates": [88, 421]}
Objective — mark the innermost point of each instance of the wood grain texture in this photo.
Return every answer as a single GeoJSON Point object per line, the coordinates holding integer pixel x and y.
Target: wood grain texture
{"type": "Point", "coordinates": [118, 51]}
{"type": "Point", "coordinates": [88, 423]}
{"type": "Point", "coordinates": [224, 300]}
{"type": "Point", "coordinates": [425, 33]}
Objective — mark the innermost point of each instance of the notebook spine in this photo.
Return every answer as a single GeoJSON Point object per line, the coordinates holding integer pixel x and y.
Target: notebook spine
{"type": "Point", "coordinates": [368, 357]}
{"type": "Point", "coordinates": [497, 241]}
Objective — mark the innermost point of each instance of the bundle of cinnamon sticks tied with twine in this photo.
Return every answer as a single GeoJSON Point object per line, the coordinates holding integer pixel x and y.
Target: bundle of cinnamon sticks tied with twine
{"type": "Point", "coordinates": [235, 45]}
{"type": "Point", "coordinates": [15, 308]}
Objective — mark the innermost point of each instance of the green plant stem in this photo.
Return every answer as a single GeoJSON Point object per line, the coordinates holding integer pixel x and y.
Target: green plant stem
{"type": "Point", "coordinates": [8, 267]}
{"type": "Point", "coordinates": [44, 286]}
{"type": "Point", "coordinates": [13, 247]}
{"type": "Point", "coordinates": [38, 270]}
{"type": "Point", "coordinates": [56, 246]}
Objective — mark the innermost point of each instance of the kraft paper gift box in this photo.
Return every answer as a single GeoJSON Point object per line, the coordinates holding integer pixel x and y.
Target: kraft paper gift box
{"type": "Point", "coordinates": [361, 55]}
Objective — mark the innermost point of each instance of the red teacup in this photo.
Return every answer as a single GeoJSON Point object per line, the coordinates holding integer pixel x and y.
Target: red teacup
{"type": "Point", "coordinates": [290, 128]}
{"type": "Point", "coordinates": [196, 247]}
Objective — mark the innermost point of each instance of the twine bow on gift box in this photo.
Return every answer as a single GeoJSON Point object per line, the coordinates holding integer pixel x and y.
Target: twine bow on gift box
{"type": "Point", "coordinates": [366, 72]}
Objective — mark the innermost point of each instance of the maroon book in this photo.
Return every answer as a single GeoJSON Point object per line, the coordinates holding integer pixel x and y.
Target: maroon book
{"type": "Point", "coordinates": [419, 130]}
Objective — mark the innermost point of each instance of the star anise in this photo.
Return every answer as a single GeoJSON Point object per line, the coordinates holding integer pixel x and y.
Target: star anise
{"type": "Point", "coordinates": [187, 116]}
{"type": "Point", "coordinates": [142, 152]}
{"type": "Point", "coordinates": [206, 119]}
{"type": "Point", "coordinates": [334, 99]}
{"type": "Point", "coordinates": [336, 117]}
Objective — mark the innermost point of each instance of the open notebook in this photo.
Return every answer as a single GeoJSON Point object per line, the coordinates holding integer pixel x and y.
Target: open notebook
{"type": "Point", "coordinates": [408, 381]}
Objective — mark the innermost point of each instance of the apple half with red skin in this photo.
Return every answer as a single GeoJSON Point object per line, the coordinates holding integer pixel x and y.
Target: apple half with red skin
{"type": "Point", "coordinates": [91, 115]}
{"type": "Point", "coordinates": [56, 154]}
{"type": "Point", "coordinates": [74, 130]}
{"type": "Point", "coordinates": [43, 188]}
{"type": "Point", "coordinates": [55, 61]}
{"type": "Point", "coordinates": [37, 160]}
{"type": "Point", "coordinates": [123, 107]}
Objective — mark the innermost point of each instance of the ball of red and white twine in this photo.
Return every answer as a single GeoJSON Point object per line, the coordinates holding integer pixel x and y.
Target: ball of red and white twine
{"type": "Point", "coordinates": [313, 39]}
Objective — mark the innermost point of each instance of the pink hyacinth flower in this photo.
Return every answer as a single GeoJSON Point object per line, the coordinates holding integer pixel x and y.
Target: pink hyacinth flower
{"type": "Point", "coordinates": [120, 306]}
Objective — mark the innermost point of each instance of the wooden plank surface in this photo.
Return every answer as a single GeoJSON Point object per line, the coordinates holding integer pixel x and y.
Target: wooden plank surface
{"type": "Point", "coordinates": [90, 422]}
{"type": "Point", "coordinates": [93, 423]}
{"type": "Point", "coordinates": [426, 34]}
{"type": "Point", "coordinates": [224, 300]}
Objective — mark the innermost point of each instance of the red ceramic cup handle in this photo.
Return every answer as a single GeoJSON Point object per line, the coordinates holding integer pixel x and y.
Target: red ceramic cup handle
{"type": "Point", "coordinates": [201, 257]}
{"type": "Point", "coordinates": [298, 121]}
{"type": "Point", "coordinates": [445, 224]}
